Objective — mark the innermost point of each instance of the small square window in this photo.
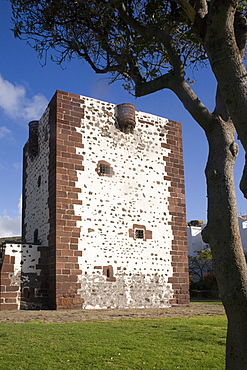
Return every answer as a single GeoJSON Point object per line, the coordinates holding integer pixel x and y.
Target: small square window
{"type": "Point", "coordinates": [104, 169]}
{"type": "Point", "coordinates": [139, 233]}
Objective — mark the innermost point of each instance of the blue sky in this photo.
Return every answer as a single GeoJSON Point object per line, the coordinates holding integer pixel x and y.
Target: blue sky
{"type": "Point", "coordinates": [25, 89]}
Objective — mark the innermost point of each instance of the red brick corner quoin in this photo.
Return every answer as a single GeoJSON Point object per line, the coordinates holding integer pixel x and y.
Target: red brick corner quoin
{"type": "Point", "coordinates": [66, 114]}
{"type": "Point", "coordinates": [9, 292]}
{"type": "Point", "coordinates": [175, 173]}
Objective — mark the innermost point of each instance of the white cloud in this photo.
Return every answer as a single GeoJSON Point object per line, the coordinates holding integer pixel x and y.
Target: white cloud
{"type": "Point", "coordinates": [10, 226]}
{"type": "Point", "coordinates": [15, 104]}
{"type": "Point", "coordinates": [4, 131]}
{"type": "Point", "coordinates": [20, 205]}
{"type": "Point", "coordinates": [34, 108]}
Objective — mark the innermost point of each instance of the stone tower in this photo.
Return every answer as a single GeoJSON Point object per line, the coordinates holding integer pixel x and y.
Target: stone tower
{"type": "Point", "coordinates": [104, 207]}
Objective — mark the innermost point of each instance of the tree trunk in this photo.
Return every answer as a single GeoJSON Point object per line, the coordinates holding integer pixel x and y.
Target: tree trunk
{"type": "Point", "coordinates": [222, 233]}
{"type": "Point", "coordinates": [225, 42]}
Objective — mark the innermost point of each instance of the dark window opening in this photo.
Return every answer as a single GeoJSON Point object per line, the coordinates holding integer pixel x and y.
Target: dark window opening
{"type": "Point", "coordinates": [35, 236]}
{"type": "Point", "coordinates": [139, 234]}
{"type": "Point", "coordinates": [26, 293]}
{"type": "Point", "coordinates": [104, 169]}
{"type": "Point", "coordinates": [39, 181]}
{"type": "Point", "coordinates": [108, 272]}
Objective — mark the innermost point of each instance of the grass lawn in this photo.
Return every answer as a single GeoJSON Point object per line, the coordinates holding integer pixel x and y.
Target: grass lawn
{"type": "Point", "coordinates": [166, 343]}
{"type": "Point", "coordinates": [199, 301]}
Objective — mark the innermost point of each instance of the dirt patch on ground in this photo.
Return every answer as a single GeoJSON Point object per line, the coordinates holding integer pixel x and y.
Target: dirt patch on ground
{"type": "Point", "coordinates": [194, 309]}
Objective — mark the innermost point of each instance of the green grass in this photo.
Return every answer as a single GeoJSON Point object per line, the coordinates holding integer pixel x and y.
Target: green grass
{"type": "Point", "coordinates": [199, 301]}
{"type": "Point", "coordinates": [166, 343]}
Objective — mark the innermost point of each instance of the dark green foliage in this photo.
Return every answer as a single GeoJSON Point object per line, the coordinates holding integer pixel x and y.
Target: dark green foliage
{"type": "Point", "coordinates": [134, 44]}
{"type": "Point", "coordinates": [200, 263]}
{"type": "Point", "coordinates": [202, 278]}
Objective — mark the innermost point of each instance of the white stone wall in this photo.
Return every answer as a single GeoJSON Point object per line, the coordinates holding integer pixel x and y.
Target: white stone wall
{"type": "Point", "coordinates": [26, 258]}
{"type": "Point", "coordinates": [135, 194]}
{"type": "Point", "coordinates": [15, 251]}
{"type": "Point", "coordinates": [36, 190]}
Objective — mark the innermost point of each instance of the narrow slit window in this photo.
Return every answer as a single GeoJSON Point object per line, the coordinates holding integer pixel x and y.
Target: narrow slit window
{"type": "Point", "coordinates": [36, 236]}
{"type": "Point", "coordinates": [108, 272]}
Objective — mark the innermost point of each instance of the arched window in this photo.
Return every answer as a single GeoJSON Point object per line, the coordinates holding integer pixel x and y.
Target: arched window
{"type": "Point", "coordinates": [109, 273]}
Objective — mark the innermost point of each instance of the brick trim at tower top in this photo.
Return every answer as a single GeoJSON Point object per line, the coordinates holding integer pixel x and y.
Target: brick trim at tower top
{"type": "Point", "coordinates": [175, 174]}
{"type": "Point", "coordinates": [63, 195]}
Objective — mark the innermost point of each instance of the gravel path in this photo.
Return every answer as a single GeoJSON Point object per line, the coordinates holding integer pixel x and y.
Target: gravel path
{"type": "Point", "coordinates": [194, 309]}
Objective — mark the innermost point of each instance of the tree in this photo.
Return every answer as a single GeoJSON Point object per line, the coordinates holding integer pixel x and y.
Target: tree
{"type": "Point", "coordinates": [202, 277]}
{"type": "Point", "coordinates": [200, 263]}
{"type": "Point", "coordinates": [150, 45]}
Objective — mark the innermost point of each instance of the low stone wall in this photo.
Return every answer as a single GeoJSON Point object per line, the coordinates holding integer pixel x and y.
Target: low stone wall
{"type": "Point", "coordinates": [10, 277]}
{"type": "Point", "coordinates": [23, 277]}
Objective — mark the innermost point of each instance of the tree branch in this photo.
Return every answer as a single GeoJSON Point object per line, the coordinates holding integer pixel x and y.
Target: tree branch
{"type": "Point", "coordinates": [183, 91]}
{"type": "Point", "coordinates": [161, 36]}
{"type": "Point", "coordinates": [225, 43]}
{"type": "Point", "coordinates": [199, 8]}
{"type": "Point", "coordinates": [192, 103]}
{"type": "Point", "coordinates": [188, 8]}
